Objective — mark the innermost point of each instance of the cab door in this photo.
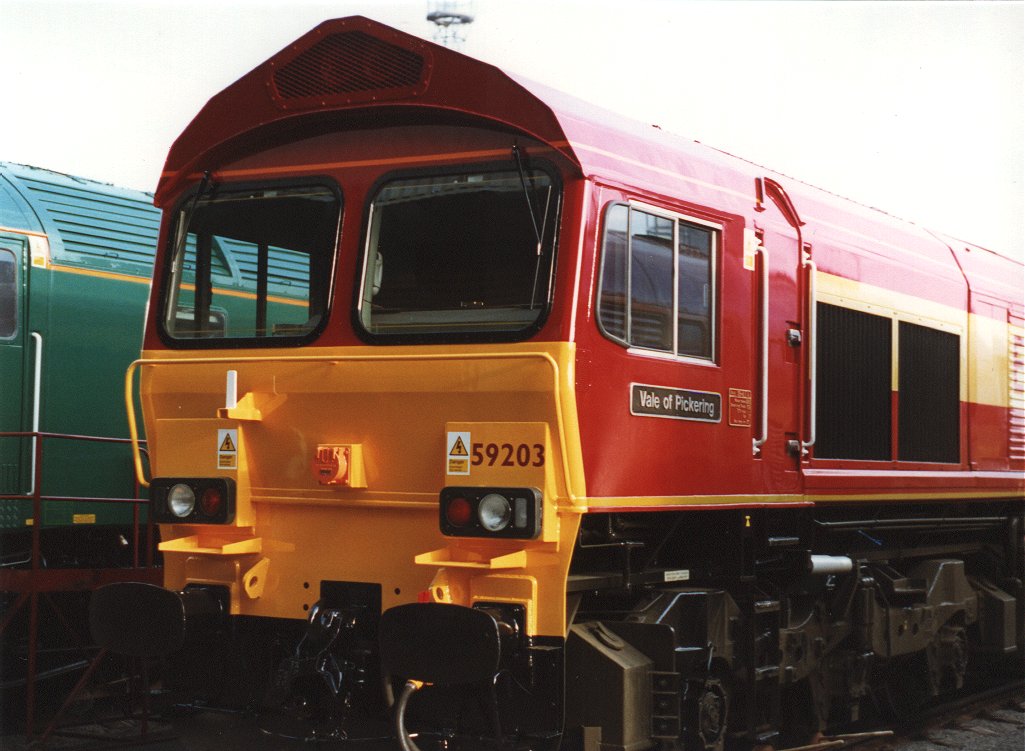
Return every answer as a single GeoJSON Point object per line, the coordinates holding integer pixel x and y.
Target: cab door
{"type": "Point", "coordinates": [16, 351]}
{"type": "Point", "coordinates": [786, 332]}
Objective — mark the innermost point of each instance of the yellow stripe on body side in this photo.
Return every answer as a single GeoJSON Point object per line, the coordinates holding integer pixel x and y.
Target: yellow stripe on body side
{"type": "Point", "coordinates": [146, 280]}
{"type": "Point", "coordinates": [38, 243]}
{"type": "Point", "coordinates": [26, 232]}
{"type": "Point", "coordinates": [705, 502]}
{"type": "Point", "coordinates": [101, 274]}
{"type": "Point", "coordinates": [984, 360]}
{"type": "Point", "coordinates": [298, 302]}
{"type": "Point", "coordinates": [662, 503]}
{"type": "Point", "coordinates": [988, 377]}
{"type": "Point", "coordinates": [982, 495]}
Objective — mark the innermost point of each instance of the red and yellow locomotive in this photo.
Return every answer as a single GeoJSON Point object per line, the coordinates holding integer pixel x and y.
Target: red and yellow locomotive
{"type": "Point", "coordinates": [597, 436]}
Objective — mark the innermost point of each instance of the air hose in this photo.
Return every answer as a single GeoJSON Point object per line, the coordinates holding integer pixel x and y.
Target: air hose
{"type": "Point", "coordinates": [405, 740]}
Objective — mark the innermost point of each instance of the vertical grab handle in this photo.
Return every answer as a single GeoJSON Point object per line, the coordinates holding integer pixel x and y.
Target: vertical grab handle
{"type": "Point", "coordinates": [812, 336]}
{"type": "Point", "coordinates": [37, 379]}
{"type": "Point", "coordinates": [763, 431]}
{"type": "Point", "coordinates": [766, 187]}
{"type": "Point", "coordinates": [133, 429]}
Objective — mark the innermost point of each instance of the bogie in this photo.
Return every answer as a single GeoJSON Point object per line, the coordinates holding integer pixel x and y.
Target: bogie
{"type": "Point", "coordinates": [795, 652]}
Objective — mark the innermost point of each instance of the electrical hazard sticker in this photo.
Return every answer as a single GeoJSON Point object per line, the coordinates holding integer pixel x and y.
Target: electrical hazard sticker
{"type": "Point", "coordinates": [227, 449]}
{"type": "Point", "coordinates": [457, 459]}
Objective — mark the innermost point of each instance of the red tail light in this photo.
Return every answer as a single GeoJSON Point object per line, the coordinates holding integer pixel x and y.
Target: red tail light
{"type": "Point", "coordinates": [211, 502]}
{"type": "Point", "coordinates": [491, 512]}
{"type": "Point", "coordinates": [192, 500]}
{"type": "Point", "coordinates": [459, 512]}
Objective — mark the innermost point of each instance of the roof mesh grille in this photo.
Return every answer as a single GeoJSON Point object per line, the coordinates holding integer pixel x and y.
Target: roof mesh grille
{"type": "Point", "coordinates": [350, 64]}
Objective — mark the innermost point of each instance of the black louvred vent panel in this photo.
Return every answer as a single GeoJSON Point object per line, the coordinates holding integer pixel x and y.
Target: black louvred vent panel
{"type": "Point", "coordinates": [929, 412]}
{"type": "Point", "coordinates": [351, 65]}
{"type": "Point", "coordinates": [853, 388]}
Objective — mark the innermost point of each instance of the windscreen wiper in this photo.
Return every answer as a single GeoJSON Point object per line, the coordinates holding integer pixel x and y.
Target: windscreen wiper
{"type": "Point", "coordinates": [526, 194]}
{"type": "Point", "coordinates": [204, 185]}
{"type": "Point", "coordinates": [538, 230]}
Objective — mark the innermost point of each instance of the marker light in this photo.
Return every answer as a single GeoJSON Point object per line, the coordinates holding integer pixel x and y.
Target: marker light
{"type": "Point", "coordinates": [192, 500]}
{"type": "Point", "coordinates": [211, 501]}
{"type": "Point", "coordinates": [459, 512]}
{"type": "Point", "coordinates": [494, 512]}
{"type": "Point", "coordinates": [181, 500]}
{"type": "Point", "coordinates": [509, 513]}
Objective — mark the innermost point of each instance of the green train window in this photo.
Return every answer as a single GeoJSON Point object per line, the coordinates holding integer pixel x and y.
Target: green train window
{"type": "Point", "coordinates": [251, 264]}
{"type": "Point", "coordinates": [657, 282]}
{"type": "Point", "coordinates": [8, 294]}
{"type": "Point", "coordinates": [459, 257]}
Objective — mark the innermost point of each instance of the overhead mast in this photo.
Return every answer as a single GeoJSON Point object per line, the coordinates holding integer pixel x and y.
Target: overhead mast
{"type": "Point", "coordinates": [450, 18]}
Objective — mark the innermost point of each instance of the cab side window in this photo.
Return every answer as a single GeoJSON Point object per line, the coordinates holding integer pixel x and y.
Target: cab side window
{"type": "Point", "coordinates": [8, 294]}
{"type": "Point", "coordinates": [657, 281]}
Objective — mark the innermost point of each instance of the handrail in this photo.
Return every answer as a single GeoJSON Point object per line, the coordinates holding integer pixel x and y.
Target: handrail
{"type": "Point", "coordinates": [37, 436]}
{"type": "Point", "coordinates": [779, 196]}
{"type": "Point", "coordinates": [812, 336]}
{"type": "Point", "coordinates": [38, 497]}
{"type": "Point", "coordinates": [36, 384]}
{"type": "Point", "coordinates": [765, 186]}
{"type": "Point", "coordinates": [39, 580]}
{"type": "Point", "coordinates": [763, 436]}
{"type": "Point", "coordinates": [557, 375]}
{"type": "Point", "coordinates": [133, 429]}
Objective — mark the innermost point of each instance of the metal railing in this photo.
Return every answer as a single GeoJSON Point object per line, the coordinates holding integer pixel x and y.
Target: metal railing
{"type": "Point", "coordinates": [37, 580]}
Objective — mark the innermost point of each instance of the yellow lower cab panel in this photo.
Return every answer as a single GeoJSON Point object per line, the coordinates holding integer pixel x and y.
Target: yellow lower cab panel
{"type": "Point", "coordinates": [338, 459]}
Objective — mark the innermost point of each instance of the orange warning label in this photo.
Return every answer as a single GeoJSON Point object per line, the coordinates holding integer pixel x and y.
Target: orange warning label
{"type": "Point", "coordinates": [459, 448]}
{"type": "Point", "coordinates": [457, 457]}
{"type": "Point", "coordinates": [227, 449]}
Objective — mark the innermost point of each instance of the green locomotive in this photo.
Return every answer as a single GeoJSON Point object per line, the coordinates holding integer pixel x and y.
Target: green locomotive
{"type": "Point", "coordinates": [76, 256]}
{"type": "Point", "coordinates": [75, 261]}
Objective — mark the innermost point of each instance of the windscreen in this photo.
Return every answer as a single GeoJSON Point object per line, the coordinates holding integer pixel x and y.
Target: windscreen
{"type": "Point", "coordinates": [251, 264]}
{"type": "Point", "coordinates": [461, 257]}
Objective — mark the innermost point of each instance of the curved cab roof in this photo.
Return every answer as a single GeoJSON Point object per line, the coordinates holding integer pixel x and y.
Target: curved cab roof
{"type": "Point", "coordinates": [342, 69]}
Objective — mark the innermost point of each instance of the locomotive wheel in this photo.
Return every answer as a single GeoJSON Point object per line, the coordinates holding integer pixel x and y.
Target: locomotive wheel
{"type": "Point", "coordinates": [711, 717]}
{"type": "Point", "coordinates": [905, 687]}
{"type": "Point", "coordinates": [803, 707]}
{"type": "Point", "coordinates": [948, 659]}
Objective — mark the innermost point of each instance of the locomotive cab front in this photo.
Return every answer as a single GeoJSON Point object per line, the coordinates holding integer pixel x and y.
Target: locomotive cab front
{"type": "Point", "coordinates": [356, 390]}
{"type": "Point", "coordinates": [451, 381]}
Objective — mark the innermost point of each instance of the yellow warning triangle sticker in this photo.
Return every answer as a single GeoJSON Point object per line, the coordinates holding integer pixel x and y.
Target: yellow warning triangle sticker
{"type": "Point", "coordinates": [226, 444]}
{"type": "Point", "coordinates": [459, 448]}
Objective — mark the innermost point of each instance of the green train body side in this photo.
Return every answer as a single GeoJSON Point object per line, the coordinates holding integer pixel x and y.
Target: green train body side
{"type": "Point", "coordinates": [85, 303]}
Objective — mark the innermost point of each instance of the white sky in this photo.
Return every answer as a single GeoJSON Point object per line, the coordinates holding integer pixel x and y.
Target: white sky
{"type": "Point", "coordinates": [913, 107]}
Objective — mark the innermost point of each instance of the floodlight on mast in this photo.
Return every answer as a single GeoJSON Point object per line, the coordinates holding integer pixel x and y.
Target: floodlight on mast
{"type": "Point", "coordinates": [450, 18]}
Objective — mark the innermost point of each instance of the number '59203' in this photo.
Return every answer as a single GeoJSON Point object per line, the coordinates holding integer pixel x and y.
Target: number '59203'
{"type": "Point", "coordinates": [508, 454]}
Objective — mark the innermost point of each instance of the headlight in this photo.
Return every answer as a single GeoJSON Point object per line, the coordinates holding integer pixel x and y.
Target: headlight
{"type": "Point", "coordinates": [512, 513]}
{"type": "Point", "coordinates": [181, 500]}
{"type": "Point", "coordinates": [192, 500]}
{"type": "Point", "coordinates": [494, 512]}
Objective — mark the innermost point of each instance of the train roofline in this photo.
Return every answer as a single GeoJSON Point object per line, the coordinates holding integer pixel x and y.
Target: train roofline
{"type": "Point", "coordinates": [451, 84]}
{"type": "Point", "coordinates": [250, 113]}
{"type": "Point", "coordinates": [63, 208]}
